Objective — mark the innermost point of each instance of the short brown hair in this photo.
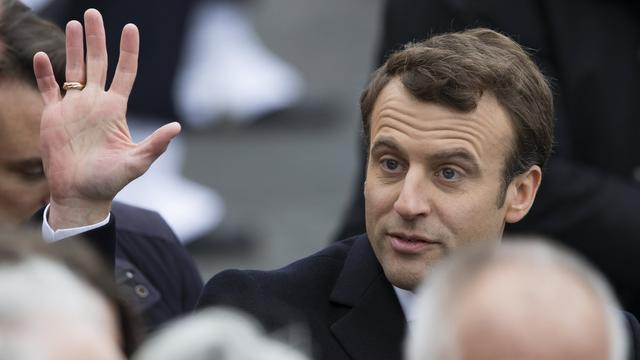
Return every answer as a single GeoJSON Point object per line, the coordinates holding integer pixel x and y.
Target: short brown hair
{"type": "Point", "coordinates": [22, 35]}
{"type": "Point", "coordinates": [455, 69]}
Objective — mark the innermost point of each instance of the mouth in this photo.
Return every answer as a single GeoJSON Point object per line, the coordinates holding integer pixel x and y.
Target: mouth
{"type": "Point", "coordinates": [411, 243]}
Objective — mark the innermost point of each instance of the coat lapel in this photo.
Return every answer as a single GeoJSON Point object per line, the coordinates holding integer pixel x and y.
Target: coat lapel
{"type": "Point", "coordinates": [374, 326]}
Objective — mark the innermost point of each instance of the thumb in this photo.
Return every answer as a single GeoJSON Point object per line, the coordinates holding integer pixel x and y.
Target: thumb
{"type": "Point", "coordinates": [153, 146]}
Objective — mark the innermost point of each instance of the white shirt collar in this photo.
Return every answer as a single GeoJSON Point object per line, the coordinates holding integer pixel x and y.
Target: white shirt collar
{"type": "Point", "coordinates": [407, 299]}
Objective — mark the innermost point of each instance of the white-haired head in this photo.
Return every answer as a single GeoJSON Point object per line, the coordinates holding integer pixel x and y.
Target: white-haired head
{"type": "Point", "coordinates": [216, 334]}
{"type": "Point", "coordinates": [48, 312]}
{"type": "Point", "coordinates": [525, 299]}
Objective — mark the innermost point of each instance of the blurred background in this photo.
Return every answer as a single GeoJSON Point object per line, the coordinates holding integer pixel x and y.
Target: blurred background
{"type": "Point", "coordinates": [287, 179]}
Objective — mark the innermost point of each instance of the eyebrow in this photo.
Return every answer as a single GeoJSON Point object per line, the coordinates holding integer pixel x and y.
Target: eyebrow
{"type": "Point", "coordinates": [385, 142]}
{"type": "Point", "coordinates": [459, 154]}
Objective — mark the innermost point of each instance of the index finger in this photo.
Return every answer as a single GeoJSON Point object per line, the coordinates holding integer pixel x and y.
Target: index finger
{"type": "Point", "coordinates": [45, 78]}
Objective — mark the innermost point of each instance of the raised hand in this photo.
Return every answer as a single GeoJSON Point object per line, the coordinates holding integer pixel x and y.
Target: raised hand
{"type": "Point", "coordinates": [87, 151]}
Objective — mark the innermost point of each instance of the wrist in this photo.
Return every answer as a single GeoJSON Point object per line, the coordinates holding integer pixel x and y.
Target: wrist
{"type": "Point", "coordinates": [76, 213]}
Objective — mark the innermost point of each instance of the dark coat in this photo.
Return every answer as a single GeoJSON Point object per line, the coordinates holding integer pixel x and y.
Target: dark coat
{"type": "Point", "coordinates": [150, 265]}
{"type": "Point", "coordinates": [149, 255]}
{"type": "Point", "coordinates": [340, 293]}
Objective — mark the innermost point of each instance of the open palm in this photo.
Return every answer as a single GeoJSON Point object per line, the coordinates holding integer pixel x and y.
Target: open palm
{"type": "Point", "coordinates": [87, 151]}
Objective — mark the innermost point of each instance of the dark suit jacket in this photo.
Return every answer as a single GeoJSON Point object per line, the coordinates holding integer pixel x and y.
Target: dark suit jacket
{"type": "Point", "coordinates": [150, 265]}
{"type": "Point", "coordinates": [590, 49]}
{"type": "Point", "coordinates": [340, 293]}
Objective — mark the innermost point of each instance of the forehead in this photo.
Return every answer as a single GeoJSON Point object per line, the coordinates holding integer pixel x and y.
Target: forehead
{"type": "Point", "coordinates": [20, 110]}
{"type": "Point", "coordinates": [429, 126]}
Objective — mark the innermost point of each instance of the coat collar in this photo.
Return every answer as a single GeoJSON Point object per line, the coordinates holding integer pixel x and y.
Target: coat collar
{"type": "Point", "coordinates": [374, 326]}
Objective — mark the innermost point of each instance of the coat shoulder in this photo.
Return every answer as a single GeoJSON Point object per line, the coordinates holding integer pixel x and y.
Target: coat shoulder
{"type": "Point", "coordinates": [142, 222]}
{"type": "Point", "coordinates": [282, 296]}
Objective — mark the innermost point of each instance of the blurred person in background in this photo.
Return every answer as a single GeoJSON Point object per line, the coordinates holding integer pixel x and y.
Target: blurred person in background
{"type": "Point", "coordinates": [203, 64]}
{"type": "Point", "coordinates": [590, 199]}
{"type": "Point", "coordinates": [521, 300]}
{"type": "Point", "coordinates": [149, 263]}
{"type": "Point", "coordinates": [216, 334]}
{"type": "Point", "coordinates": [59, 302]}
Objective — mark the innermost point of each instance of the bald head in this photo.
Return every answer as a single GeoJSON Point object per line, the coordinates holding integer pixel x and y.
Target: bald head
{"type": "Point", "coordinates": [524, 300]}
{"type": "Point", "coordinates": [519, 311]}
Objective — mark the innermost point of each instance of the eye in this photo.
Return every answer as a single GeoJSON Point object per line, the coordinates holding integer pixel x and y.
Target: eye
{"type": "Point", "coordinates": [448, 173]}
{"type": "Point", "coordinates": [34, 172]}
{"type": "Point", "coordinates": [391, 165]}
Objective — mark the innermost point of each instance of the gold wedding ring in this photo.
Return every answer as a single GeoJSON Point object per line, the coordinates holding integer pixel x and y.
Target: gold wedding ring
{"type": "Point", "coordinates": [72, 85]}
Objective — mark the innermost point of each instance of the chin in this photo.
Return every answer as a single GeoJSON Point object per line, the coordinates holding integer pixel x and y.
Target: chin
{"type": "Point", "coordinates": [407, 279]}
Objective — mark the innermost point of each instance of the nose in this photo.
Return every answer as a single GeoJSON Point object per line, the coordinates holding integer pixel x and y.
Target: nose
{"type": "Point", "coordinates": [413, 200]}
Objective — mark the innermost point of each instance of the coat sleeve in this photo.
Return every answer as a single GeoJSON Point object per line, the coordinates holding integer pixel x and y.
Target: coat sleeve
{"type": "Point", "coordinates": [102, 240]}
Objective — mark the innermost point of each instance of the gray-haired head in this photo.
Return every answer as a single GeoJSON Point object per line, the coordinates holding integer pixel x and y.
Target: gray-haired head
{"type": "Point", "coordinates": [48, 312]}
{"type": "Point", "coordinates": [66, 281]}
{"type": "Point", "coordinates": [525, 299]}
{"type": "Point", "coordinates": [216, 334]}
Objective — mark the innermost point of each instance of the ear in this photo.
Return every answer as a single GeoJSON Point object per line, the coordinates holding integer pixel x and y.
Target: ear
{"type": "Point", "coordinates": [521, 193]}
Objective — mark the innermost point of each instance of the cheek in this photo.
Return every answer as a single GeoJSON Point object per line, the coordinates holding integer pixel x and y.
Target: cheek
{"type": "Point", "coordinates": [378, 198]}
{"type": "Point", "coordinates": [19, 200]}
{"type": "Point", "coordinates": [472, 217]}
{"type": "Point", "coordinates": [371, 207]}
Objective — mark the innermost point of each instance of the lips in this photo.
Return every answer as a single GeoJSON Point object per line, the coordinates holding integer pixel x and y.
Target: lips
{"type": "Point", "coordinates": [410, 243]}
